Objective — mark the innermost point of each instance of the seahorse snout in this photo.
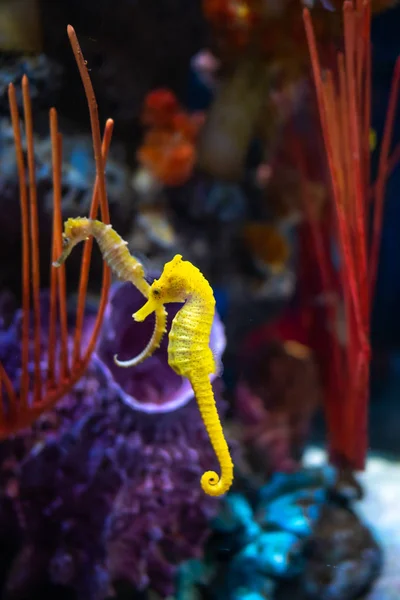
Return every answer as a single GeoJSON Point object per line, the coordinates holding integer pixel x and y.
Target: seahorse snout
{"type": "Point", "coordinates": [145, 311]}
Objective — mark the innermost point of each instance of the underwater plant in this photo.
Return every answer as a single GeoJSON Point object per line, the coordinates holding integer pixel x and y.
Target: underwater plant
{"type": "Point", "coordinates": [189, 353]}
{"type": "Point", "coordinates": [344, 103]}
{"type": "Point", "coordinates": [62, 365]}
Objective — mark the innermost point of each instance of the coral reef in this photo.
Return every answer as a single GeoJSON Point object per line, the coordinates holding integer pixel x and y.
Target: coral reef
{"type": "Point", "coordinates": [101, 490]}
{"type": "Point", "coordinates": [280, 541]}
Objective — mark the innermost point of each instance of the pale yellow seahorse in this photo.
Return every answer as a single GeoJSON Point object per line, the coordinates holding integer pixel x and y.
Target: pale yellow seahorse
{"type": "Point", "coordinates": [126, 267]}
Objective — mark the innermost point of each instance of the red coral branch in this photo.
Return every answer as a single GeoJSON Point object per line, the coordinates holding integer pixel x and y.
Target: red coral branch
{"type": "Point", "coordinates": [344, 104]}
{"type": "Point", "coordinates": [64, 370]}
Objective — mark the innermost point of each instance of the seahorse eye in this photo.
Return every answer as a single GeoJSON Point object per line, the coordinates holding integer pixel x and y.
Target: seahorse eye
{"type": "Point", "coordinates": [65, 241]}
{"type": "Point", "coordinates": [156, 293]}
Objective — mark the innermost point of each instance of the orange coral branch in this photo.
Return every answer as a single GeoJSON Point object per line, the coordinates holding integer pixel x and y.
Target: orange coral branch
{"type": "Point", "coordinates": [34, 231]}
{"type": "Point", "coordinates": [12, 397]}
{"type": "Point", "coordinates": [94, 121]}
{"type": "Point", "coordinates": [51, 371]}
{"type": "Point", "coordinates": [19, 413]}
{"type": "Point", "coordinates": [23, 195]}
{"type": "Point", "coordinates": [56, 149]}
{"type": "Point", "coordinates": [100, 184]}
{"type": "Point", "coordinates": [87, 252]}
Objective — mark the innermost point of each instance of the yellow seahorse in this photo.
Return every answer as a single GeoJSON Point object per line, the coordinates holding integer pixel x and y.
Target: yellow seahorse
{"type": "Point", "coordinates": [189, 353]}
{"type": "Point", "coordinates": [126, 267]}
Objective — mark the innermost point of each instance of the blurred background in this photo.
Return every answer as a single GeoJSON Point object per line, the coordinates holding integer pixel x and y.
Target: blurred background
{"type": "Point", "coordinates": [217, 154]}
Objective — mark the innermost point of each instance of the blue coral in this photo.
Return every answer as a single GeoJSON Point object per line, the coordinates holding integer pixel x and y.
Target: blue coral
{"type": "Point", "coordinates": [281, 536]}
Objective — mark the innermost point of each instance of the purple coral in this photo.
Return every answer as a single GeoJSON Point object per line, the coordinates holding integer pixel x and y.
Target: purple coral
{"type": "Point", "coordinates": [105, 490]}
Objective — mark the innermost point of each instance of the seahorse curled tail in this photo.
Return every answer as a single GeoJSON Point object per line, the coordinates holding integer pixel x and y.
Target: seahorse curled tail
{"type": "Point", "coordinates": [211, 482]}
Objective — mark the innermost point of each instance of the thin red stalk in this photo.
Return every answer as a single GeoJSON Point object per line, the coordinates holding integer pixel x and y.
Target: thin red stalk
{"type": "Point", "coordinates": [344, 121]}
{"type": "Point", "coordinates": [358, 317]}
{"type": "Point", "coordinates": [356, 414]}
{"type": "Point", "coordinates": [316, 68]}
{"type": "Point", "coordinates": [62, 282]}
{"type": "Point", "coordinates": [17, 419]}
{"type": "Point", "coordinates": [56, 150]}
{"type": "Point", "coordinates": [360, 410]}
{"type": "Point", "coordinates": [87, 252]}
{"type": "Point", "coordinates": [94, 121]}
{"type": "Point", "coordinates": [366, 125]}
{"type": "Point", "coordinates": [322, 109]}
{"type": "Point", "coordinates": [1, 401]}
{"type": "Point", "coordinates": [383, 170]}
{"type": "Point", "coordinates": [326, 104]}
{"type": "Point", "coordinates": [106, 282]}
{"type": "Point", "coordinates": [25, 267]}
{"type": "Point", "coordinates": [79, 370]}
{"type": "Point", "coordinates": [342, 116]}
{"type": "Point", "coordinates": [334, 379]}
{"type": "Point", "coordinates": [327, 284]}
{"type": "Point", "coordinates": [393, 161]}
{"type": "Point", "coordinates": [97, 146]}
{"type": "Point", "coordinates": [51, 372]}
{"type": "Point", "coordinates": [356, 171]}
{"type": "Point", "coordinates": [349, 209]}
{"type": "Point", "coordinates": [12, 397]}
{"type": "Point", "coordinates": [348, 268]}
{"type": "Point", "coordinates": [34, 234]}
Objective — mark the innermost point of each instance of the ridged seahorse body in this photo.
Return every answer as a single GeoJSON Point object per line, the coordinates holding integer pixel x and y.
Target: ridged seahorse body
{"type": "Point", "coordinates": [189, 353]}
{"type": "Point", "coordinates": [125, 266]}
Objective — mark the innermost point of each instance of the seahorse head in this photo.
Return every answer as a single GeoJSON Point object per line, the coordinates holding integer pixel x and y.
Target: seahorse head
{"type": "Point", "coordinates": [172, 286]}
{"type": "Point", "coordinates": [75, 230]}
